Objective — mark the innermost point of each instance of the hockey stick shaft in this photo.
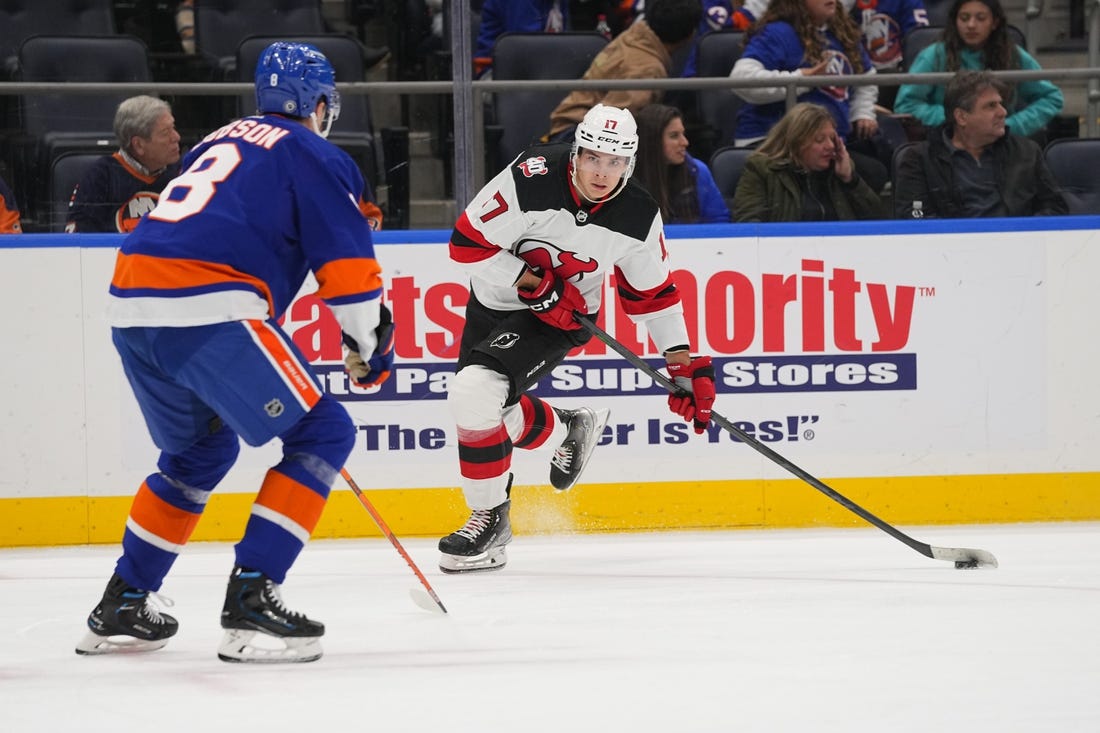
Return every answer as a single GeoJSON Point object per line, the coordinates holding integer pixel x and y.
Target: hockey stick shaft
{"type": "Point", "coordinates": [923, 548]}
{"type": "Point", "coordinates": [391, 537]}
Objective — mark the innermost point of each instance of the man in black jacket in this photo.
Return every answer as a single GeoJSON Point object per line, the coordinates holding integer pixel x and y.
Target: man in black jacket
{"type": "Point", "coordinates": [972, 166]}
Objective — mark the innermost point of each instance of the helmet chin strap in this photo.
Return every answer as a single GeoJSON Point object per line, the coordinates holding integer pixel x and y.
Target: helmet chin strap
{"type": "Point", "coordinates": [315, 124]}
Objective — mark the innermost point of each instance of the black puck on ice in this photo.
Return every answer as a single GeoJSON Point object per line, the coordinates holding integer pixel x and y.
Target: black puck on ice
{"type": "Point", "coordinates": [965, 564]}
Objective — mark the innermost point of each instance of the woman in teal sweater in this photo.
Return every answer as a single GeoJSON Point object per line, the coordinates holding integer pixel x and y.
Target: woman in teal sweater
{"type": "Point", "coordinates": [976, 37]}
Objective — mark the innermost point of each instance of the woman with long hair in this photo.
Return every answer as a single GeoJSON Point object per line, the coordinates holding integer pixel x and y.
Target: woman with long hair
{"type": "Point", "coordinates": [803, 38]}
{"type": "Point", "coordinates": [976, 37]}
{"type": "Point", "coordinates": [803, 172]}
{"type": "Point", "coordinates": [682, 186]}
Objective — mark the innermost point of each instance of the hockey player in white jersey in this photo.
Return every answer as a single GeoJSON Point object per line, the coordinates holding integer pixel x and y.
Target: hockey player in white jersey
{"type": "Point", "coordinates": [537, 242]}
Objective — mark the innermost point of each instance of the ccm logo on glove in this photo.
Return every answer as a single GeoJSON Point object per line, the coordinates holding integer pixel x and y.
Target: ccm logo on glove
{"type": "Point", "coordinates": [555, 301]}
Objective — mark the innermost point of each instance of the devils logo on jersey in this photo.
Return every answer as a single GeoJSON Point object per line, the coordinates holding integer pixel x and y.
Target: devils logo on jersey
{"type": "Point", "coordinates": [546, 256]}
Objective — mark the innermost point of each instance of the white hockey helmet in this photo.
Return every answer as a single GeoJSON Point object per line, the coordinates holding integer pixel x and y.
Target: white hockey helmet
{"type": "Point", "coordinates": [608, 130]}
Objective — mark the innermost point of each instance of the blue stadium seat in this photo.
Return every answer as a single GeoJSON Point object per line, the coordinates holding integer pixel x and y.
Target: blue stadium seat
{"type": "Point", "coordinates": [521, 117]}
{"type": "Point", "coordinates": [717, 52]}
{"type": "Point", "coordinates": [1074, 162]}
{"type": "Point", "coordinates": [221, 26]}
{"type": "Point", "coordinates": [726, 165]}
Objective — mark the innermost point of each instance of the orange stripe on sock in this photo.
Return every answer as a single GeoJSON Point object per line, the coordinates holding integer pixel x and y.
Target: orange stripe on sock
{"type": "Point", "coordinates": [286, 496]}
{"type": "Point", "coordinates": [158, 517]}
{"type": "Point", "coordinates": [286, 362]}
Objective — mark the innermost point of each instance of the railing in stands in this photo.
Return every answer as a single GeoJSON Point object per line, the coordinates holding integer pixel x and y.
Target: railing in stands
{"type": "Point", "coordinates": [469, 157]}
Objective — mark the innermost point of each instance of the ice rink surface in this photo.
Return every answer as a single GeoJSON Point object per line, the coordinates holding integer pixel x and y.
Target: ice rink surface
{"type": "Point", "coordinates": [801, 630]}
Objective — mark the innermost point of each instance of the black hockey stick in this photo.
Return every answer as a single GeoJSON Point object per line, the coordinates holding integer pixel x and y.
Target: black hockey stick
{"type": "Point", "coordinates": [961, 556]}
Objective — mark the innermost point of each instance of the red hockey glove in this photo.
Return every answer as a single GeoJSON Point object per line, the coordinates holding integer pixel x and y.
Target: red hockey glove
{"type": "Point", "coordinates": [376, 368]}
{"type": "Point", "coordinates": [695, 398]}
{"type": "Point", "coordinates": [555, 301]}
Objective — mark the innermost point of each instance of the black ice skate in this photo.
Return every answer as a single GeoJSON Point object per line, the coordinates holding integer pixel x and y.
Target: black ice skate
{"type": "Point", "coordinates": [125, 622]}
{"type": "Point", "coordinates": [479, 545]}
{"type": "Point", "coordinates": [253, 605]}
{"type": "Point", "coordinates": [570, 458]}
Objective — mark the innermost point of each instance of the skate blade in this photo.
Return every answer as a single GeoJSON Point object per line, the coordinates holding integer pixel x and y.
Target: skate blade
{"type": "Point", "coordinates": [594, 436]}
{"type": "Point", "coordinates": [492, 559]}
{"type": "Point", "coordinates": [246, 646]}
{"type": "Point", "coordinates": [93, 644]}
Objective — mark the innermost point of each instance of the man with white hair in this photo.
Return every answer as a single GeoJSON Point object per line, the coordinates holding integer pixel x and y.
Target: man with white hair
{"type": "Point", "coordinates": [537, 242]}
{"type": "Point", "coordinates": [117, 190]}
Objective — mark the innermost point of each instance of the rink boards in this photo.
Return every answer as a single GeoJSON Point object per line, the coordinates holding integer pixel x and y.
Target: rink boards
{"type": "Point", "coordinates": [932, 372]}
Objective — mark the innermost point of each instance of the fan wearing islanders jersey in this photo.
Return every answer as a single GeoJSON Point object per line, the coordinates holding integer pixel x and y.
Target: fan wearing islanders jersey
{"type": "Point", "coordinates": [882, 24]}
{"type": "Point", "coordinates": [117, 190]}
{"type": "Point", "coordinates": [195, 299]}
{"type": "Point", "coordinates": [537, 243]}
{"type": "Point", "coordinates": [802, 38]}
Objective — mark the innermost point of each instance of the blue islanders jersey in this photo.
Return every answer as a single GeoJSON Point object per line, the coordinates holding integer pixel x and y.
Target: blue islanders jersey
{"type": "Point", "coordinates": [113, 195]}
{"type": "Point", "coordinates": [261, 202]}
{"type": "Point", "coordinates": [883, 23]}
{"type": "Point", "coordinates": [778, 47]}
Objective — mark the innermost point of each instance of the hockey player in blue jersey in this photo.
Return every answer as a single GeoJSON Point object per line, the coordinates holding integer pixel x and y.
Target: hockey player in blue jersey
{"type": "Point", "coordinates": [194, 301]}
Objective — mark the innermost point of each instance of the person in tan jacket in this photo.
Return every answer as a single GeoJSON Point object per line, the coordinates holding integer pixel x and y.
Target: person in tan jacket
{"type": "Point", "coordinates": [642, 51]}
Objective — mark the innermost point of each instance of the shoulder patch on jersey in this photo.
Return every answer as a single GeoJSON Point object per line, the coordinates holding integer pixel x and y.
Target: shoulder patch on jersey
{"type": "Point", "coordinates": [534, 166]}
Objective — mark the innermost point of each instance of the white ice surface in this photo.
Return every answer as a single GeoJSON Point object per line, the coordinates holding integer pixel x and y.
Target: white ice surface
{"type": "Point", "coordinates": [813, 630]}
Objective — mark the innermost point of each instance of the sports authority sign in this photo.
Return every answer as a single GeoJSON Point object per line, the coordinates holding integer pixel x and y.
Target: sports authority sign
{"type": "Point", "coordinates": [894, 350]}
{"type": "Point", "coordinates": [858, 353]}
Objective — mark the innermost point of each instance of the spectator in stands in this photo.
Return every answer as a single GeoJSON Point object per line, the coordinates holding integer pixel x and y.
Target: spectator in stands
{"type": "Point", "coordinates": [800, 38]}
{"type": "Point", "coordinates": [642, 51]}
{"type": "Point", "coordinates": [976, 37]}
{"type": "Point", "coordinates": [882, 24]}
{"type": "Point", "coordinates": [117, 190]}
{"type": "Point", "coordinates": [9, 211]}
{"type": "Point", "coordinates": [185, 25]}
{"type": "Point", "coordinates": [803, 172]}
{"type": "Point", "coordinates": [683, 186]}
{"type": "Point", "coordinates": [515, 16]}
{"type": "Point", "coordinates": [972, 166]}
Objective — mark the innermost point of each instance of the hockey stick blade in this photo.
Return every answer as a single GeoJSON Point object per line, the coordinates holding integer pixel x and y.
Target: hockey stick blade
{"type": "Point", "coordinates": [421, 598]}
{"type": "Point", "coordinates": [425, 598]}
{"type": "Point", "coordinates": [962, 557]}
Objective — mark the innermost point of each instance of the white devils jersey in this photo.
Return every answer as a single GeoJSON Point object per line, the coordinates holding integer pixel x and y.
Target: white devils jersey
{"type": "Point", "coordinates": [530, 215]}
